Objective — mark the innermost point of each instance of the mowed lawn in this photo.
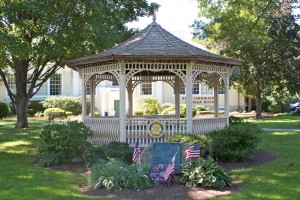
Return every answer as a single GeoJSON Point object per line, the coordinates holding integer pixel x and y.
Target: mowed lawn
{"type": "Point", "coordinates": [21, 179]}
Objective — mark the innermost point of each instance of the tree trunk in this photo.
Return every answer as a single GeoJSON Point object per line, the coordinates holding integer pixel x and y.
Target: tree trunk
{"type": "Point", "coordinates": [21, 105]}
{"type": "Point", "coordinates": [249, 104]}
{"type": "Point", "coordinates": [258, 101]}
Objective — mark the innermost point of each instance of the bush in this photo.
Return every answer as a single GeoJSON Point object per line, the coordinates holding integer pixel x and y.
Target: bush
{"type": "Point", "coordinates": [69, 104]}
{"type": "Point", "coordinates": [118, 150]}
{"type": "Point", "coordinates": [12, 109]}
{"type": "Point", "coordinates": [236, 142]}
{"type": "Point", "coordinates": [4, 110]}
{"type": "Point", "coordinates": [171, 110]}
{"type": "Point", "coordinates": [115, 175]}
{"type": "Point", "coordinates": [30, 112]}
{"type": "Point", "coordinates": [35, 106]}
{"type": "Point", "coordinates": [205, 173]}
{"type": "Point", "coordinates": [191, 139]}
{"type": "Point", "coordinates": [49, 110]}
{"type": "Point", "coordinates": [62, 143]}
{"type": "Point", "coordinates": [138, 112]}
{"type": "Point", "coordinates": [235, 120]}
{"type": "Point", "coordinates": [149, 106]}
{"type": "Point", "coordinates": [166, 105]}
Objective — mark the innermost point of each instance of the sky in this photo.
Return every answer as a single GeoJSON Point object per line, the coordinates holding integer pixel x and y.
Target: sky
{"type": "Point", "coordinates": [176, 16]}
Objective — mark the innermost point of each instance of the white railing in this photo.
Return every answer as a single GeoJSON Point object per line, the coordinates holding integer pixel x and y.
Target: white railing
{"type": "Point", "coordinates": [206, 125]}
{"type": "Point", "coordinates": [108, 129]}
{"type": "Point", "coordinates": [138, 128]}
{"type": "Point", "coordinates": [105, 130]}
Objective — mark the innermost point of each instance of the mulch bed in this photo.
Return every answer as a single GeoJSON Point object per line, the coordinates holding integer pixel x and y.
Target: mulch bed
{"type": "Point", "coordinates": [175, 190]}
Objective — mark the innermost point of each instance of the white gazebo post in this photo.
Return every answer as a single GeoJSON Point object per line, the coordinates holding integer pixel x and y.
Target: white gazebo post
{"type": "Point", "coordinates": [189, 98]}
{"type": "Point", "coordinates": [122, 79]}
{"type": "Point", "coordinates": [92, 88]}
{"type": "Point", "coordinates": [177, 97]}
{"type": "Point", "coordinates": [216, 96]}
{"type": "Point", "coordinates": [83, 94]}
{"type": "Point", "coordinates": [227, 98]}
{"type": "Point", "coordinates": [130, 99]}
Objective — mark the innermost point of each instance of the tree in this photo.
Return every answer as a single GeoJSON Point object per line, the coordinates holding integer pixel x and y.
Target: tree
{"type": "Point", "coordinates": [264, 33]}
{"type": "Point", "coordinates": [34, 33]}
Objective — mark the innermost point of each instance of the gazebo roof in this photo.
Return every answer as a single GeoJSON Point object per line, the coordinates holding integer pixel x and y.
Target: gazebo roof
{"type": "Point", "coordinates": [154, 43]}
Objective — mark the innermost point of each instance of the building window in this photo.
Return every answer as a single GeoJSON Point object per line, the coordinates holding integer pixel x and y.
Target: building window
{"type": "Point", "coordinates": [206, 90]}
{"type": "Point", "coordinates": [11, 83]}
{"type": "Point", "coordinates": [221, 90]}
{"type": "Point", "coordinates": [182, 90]}
{"type": "Point", "coordinates": [88, 87]}
{"type": "Point", "coordinates": [196, 89]}
{"type": "Point", "coordinates": [146, 89]}
{"type": "Point", "coordinates": [115, 83]}
{"type": "Point", "coordinates": [55, 84]}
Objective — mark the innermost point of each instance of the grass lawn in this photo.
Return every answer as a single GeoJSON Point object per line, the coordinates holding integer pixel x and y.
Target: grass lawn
{"type": "Point", "coordinates": [277, 122]}
{"type": "Point", "coordinates": [20, 179]}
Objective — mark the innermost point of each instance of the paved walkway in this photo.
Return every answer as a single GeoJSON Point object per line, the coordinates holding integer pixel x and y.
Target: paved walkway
{"type": "Point", "coordinates": [280, 129]}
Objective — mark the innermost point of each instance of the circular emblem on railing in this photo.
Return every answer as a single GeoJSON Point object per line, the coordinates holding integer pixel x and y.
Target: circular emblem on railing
{"type": "Point", "coordinates": [156, 129]}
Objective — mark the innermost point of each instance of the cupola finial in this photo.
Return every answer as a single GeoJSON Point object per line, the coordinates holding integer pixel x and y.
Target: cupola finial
{"type": "Point", "coordinates": [154, 17]}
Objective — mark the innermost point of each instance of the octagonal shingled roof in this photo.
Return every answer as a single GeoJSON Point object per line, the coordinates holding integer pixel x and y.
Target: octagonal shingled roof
{"type": "Point", "coordinates": [154, 43]}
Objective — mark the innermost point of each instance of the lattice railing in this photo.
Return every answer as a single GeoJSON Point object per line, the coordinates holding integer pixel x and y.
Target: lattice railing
{"type": "Point", "coordinates": [105, 130]}
{"type": "Point", "coordinates": [206, 125]}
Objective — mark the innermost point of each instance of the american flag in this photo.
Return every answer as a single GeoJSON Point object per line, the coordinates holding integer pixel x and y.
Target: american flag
{"type": "Point", "coordinates": [170, 169]}
{"type": "Point", "coordinates": [137, 152]}
{"type": "Point", "coordinates": [193, 151]}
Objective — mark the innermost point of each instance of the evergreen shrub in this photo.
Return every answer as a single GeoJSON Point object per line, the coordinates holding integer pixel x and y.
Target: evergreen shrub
{"type": "Point", "coordinates": [4, 110]}
{"type": "Point", "coordinates": [149, 105]}
{"type": "Point", "coordinates": [191, 139]}
{"type": "Point", "coordinates": [50, 110]}
{"type": "Point", "coordinates": [63, 143]}
{"type": "Point", "coordinates": [118, 150]}
{"type": "Point", "coordinates": [236, 142]}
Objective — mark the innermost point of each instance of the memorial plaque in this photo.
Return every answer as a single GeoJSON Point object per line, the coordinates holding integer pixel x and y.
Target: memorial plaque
{"type": "Point", "coordinates": [162, 153]}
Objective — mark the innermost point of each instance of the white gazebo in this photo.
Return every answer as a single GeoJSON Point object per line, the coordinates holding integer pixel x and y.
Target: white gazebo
{"type": "Point", "coordinates": [151, 55]}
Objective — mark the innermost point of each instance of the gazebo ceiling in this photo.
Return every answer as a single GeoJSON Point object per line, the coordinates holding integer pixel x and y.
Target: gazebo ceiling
{"type": "Point", "coordinates": [153, 43]}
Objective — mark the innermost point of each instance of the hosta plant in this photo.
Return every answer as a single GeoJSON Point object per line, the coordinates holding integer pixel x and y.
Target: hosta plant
{"type": "Point", "coordinates": [205, 173]}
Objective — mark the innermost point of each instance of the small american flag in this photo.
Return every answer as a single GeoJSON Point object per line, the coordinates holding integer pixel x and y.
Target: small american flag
{"type": "Point", "coordinates": [193, 151]}
{"type": "Point", "coordinates": [170, 169]}
{"type": "Point", "coordinates": [137, 152]}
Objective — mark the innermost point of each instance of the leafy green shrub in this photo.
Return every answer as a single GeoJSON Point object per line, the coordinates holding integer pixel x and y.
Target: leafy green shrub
{"type": "Point", "coordinates": [70, 104]}
{"type": "Point", "coordinates": [50, 110]}
{"type": "Point", "coordinates": [206, 173]}
{"type": "Point", "coordinates": [171, 110]}
{"type": "Point", "coordinates": [4, 110]}
{"type": "Point", "coordinates": [166, 105]}
{"type": "Point", "coordinates": [191, 139]}
{"type": "Point", "coordinates": [12, 109]}
{"type": "Point", "coordinates": [118, 150]}
{"type": "Point", "coordinates": [149, 106]}
{"type": "Point", "coordinates": [61, 143]}
{"type": "Point", "coordinates": [115, 175]}
{"type": "Point", "coordinates": [30, 112]}
{"type": "Point", "coordinates": [236, 142]}
{"type": "Point", "coordinates": [235, 120]}
{"type": "Point", "coordinates": [138, 112]}
{"type": "Point", "coordinates": [35, 106]}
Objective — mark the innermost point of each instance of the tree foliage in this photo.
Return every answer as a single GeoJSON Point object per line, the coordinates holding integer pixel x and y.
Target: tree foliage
{"type": "Point", "coordinates": [34, 33]}
{"type": "Point", "coordinates": [263, 33]}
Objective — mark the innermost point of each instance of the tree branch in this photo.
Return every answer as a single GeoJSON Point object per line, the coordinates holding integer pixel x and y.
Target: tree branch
{"type": "Point", "coordinates": [259, 16]}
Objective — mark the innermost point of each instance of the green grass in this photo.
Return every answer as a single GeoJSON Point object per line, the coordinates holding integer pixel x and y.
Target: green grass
{"type": "Point", "coordinates": [21, 179]}
{"type": "Point", "coordinates": [277, 122]}
{"type": "Point", "coordinates": [12, 122]}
